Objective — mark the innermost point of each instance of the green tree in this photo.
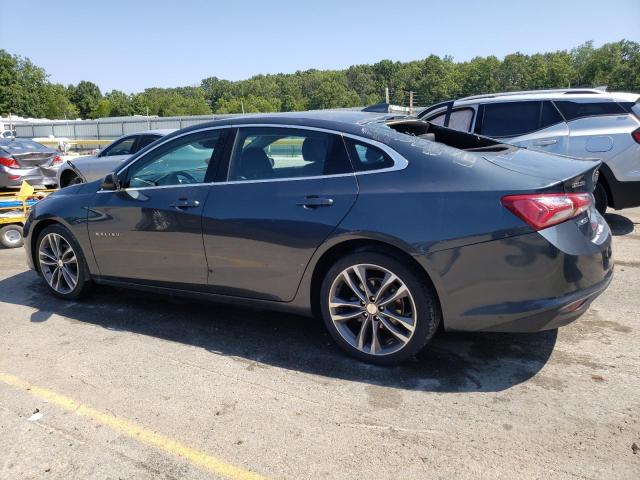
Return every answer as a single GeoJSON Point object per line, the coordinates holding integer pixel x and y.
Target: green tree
{"type": "Point", "coordinates": [85, 96]}
{"type": "Point", "coordinates": [57, 103]}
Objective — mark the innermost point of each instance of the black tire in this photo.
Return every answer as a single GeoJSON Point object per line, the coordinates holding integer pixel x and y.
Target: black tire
{"type": "Point", "coordinates": [427, 311]}
{"type": "Point", "coordinates": [601, 198]}
{"type": "Point", "coordinates": [84, 279]}
{"type": "Point", "coordinates": [11, 236]}
{"type": "Point", "coordinates": [74, 181]}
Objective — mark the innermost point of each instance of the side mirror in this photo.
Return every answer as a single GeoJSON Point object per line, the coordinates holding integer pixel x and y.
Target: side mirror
{"type": "Point", "coordinates": [110, 182]}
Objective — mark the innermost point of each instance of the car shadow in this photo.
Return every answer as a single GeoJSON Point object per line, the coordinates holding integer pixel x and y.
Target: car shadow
{"type": "Point", "coordinates": [619, 224]}
{"type": "Point", "coordinates": [452, 362]}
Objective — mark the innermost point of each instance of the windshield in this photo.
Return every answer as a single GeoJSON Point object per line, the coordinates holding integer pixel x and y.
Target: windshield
{"type": "Point", "coordinates": [22, 146]}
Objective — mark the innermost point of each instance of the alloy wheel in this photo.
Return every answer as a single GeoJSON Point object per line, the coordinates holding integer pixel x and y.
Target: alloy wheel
{"type": "Point", "coordinates": [372, 309]}
{"type": "Point", "coordinates": [58, 263]}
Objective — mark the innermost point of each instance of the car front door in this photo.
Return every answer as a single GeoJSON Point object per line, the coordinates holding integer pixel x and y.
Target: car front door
{"type": "Point", "coordinates": [109, 158]}
{"type": "Point", "coordinates": [150, 229]}
{"type": "Point", "coordinates": [285, 190]}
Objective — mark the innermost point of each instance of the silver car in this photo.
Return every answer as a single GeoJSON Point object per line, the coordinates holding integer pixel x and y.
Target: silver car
{"type": "Point", "coordinates": [579, 122]}
{"type": "Point", "coordinates": [23, 160]}
{"type": "Point", "coordinates": [90, 168]}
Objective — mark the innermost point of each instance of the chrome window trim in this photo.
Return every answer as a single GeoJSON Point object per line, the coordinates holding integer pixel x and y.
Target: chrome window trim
{"type": "Point", "coordinates": [399, 162]}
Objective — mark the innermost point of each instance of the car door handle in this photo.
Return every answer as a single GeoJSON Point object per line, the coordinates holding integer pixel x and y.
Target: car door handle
{"type": "Point", "coordinates": [542, 143]}
{"type": "Point", "coordinates": [314, 201]}
{"type": "Point", "coordinates": [183, 203]}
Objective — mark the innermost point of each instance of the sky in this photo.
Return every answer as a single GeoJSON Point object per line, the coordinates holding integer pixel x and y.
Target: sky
{"type": "Point", "coordinates": [133, 45]}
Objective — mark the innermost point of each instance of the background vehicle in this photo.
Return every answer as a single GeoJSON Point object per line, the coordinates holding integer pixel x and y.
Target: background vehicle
{"type": "Point", "coordinates": [577, 122]}
{"type": "Point", "coordinates": [7, 133]}
{"type": "Point", "coordinates": [23, 160]}
{"type": "Point", "coordinates": [384, 227]}
{"type": "Point", "coordinates": [90, 168]}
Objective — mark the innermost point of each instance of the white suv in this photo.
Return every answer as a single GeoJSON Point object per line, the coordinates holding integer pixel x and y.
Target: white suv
{"type": "Point", "coordinates": [578, 122]}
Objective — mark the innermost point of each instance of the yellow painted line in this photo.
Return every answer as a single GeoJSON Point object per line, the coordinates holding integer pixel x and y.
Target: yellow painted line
{"type": "Point", "coordinates": [203, 460]}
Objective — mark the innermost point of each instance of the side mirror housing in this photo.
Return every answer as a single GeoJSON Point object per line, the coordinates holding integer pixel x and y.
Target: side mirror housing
{"type": "Point", "coordinates": [110, 182]}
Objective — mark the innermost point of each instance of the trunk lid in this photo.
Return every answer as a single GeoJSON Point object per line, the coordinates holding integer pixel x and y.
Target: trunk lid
{"type": "Point", "coordinates": [28, 153]}
{"type": "Point", "coordinates": [572, 175]}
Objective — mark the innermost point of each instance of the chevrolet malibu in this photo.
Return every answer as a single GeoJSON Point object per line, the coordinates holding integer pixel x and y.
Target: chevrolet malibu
{"type": "Point", "coordinates": [385, 227]}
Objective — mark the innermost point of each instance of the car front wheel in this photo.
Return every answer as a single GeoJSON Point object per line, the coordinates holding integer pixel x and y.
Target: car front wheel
{"type": "Point", "coordinates": [61, 262]}
{"type": "Point", "coordinates": [377, 308]}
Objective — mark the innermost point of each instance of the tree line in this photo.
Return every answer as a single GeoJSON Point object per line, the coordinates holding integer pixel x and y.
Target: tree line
{"type": "Point", "coordinates": [25, 88]}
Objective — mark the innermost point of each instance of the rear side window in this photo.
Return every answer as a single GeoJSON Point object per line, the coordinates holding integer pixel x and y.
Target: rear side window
{"type": "Point", "coordinates": [460, 119]}
{"type": "Point", "coordinates": [517, 118]}
{"type": "Point", "coordinates": [510, 119]}
{"type": "Point", "coordinates": [366, 157]}
{"type": "Point", "coordinates": [573, 110]}
{"type": "Point", "coordinates": [271, 153]}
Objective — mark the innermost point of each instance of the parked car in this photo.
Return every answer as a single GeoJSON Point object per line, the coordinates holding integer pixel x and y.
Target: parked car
{"type": "Point", "coordinates": [577, 122]}
{"type": "Point", "coordinates": [385, 228]}
{"type": "Point", "coordinates": [7, 133]}
{"type": "Point", "coordinates": [23, 160]}
{"type": "Point", "coordinates": [90, 168]}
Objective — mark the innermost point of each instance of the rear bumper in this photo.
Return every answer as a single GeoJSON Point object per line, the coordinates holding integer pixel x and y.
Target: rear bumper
{"type": "Point", "coordinates": [527, 283]}
{"type": "Point", "coordinates": [10, 178]}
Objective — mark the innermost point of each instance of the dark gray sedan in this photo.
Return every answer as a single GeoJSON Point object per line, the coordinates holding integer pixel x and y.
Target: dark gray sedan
{"type": "Point", "coordinates": [387, 228]}
{"type": "Point", "coordinates": [23, 160]}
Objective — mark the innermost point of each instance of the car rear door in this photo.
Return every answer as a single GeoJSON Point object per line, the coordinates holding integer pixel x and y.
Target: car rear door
{"type": "Point", "coordinates": [531, 124]}
{"type": "Point", "coordinates": [283, 193]}
{"type": "Point", "coordinates": [150, 230]}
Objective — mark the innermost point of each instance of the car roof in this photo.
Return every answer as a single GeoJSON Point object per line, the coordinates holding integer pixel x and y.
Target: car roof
{"type": "Point", "coordinates": [349, 121]}
{"type": "Point", "coordinates": [159, 131]}
{"type": "Point", "coordinates": [557, 94]}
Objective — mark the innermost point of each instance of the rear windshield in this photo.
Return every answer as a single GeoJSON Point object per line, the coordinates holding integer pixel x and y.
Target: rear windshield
{"type": "Point", "coordinates": [22, 146]}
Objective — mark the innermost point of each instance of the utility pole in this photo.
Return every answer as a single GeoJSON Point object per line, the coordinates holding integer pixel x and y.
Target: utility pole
{"type": "Point", "coordinates": [386, 95]}
{"type": "Point", "coordinates": [242, 106]}
{"type": "Point", "coordinates": [148, 120]}
{"type": "Point", "coordinates": [410, 103]}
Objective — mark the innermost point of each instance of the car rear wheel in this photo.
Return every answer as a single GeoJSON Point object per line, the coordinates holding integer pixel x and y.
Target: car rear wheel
{"type": "Point", "coordinates": [61, 262]}
{"type": "Point", "coordinates": [601, 198]}
{"type": "Point", "coordinates": [11, 236]}
{"type": "Point", "coordinates": [377, 308]}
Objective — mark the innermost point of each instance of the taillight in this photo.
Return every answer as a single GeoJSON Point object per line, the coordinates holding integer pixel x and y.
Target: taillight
{"type": "Point", "coordinates": [543, 210]}
{"type": "Point", "coordinates": [9, 162]}
{"type": "Point", "coordinates": [56, 160]}
{"type": "Point", "coordinates": [636, 135]}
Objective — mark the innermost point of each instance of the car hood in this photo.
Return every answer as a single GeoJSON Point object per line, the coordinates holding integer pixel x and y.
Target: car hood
{"type": "Point", "coordinates": [83, 160]}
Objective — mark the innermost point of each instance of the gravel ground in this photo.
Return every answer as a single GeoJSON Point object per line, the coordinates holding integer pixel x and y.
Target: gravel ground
{"type": "Point", "coordinates": [130, 385]}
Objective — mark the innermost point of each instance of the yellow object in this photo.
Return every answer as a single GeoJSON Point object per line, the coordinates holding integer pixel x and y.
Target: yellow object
{"type": "Point", "coordinates": [26, 190]}
{"type": "Point", "coordinates": [203, 460]}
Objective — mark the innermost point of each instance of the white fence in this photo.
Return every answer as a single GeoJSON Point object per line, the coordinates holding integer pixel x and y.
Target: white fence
{"type": "Point", "coordinates": [107, 128]}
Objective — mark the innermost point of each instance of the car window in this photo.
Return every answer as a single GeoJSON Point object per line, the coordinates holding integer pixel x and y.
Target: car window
{"type": "Point", "coordinates": [510, 119]}
{"type": "Point", "coordinates": [19, 145]}
{"type": "Point", "coordinates": [573, 110]}
{"type": "Point", "coordinates": [146, 140]}
{"type": "Point", "coordinates": [549, 115]}
{"type": "Point", "coordinates": [460, 119]}
{"type": "Point", "coordinates": [120, 147]}
{"type": "Point", "coordinates": [182, 161]}
{"type": "Point", "coordinates": [263, 153]}
{"type": "Point", "coordinates": [366, 157]}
